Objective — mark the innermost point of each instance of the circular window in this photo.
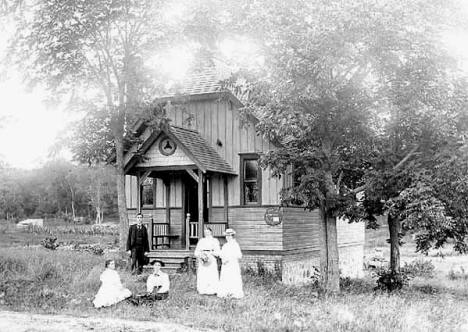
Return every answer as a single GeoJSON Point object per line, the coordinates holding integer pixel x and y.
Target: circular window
{"type": "Point", "coordinates": [167, 146]}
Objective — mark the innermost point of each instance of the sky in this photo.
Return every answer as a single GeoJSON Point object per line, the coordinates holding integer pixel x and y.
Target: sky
{"type": "Point", "coordinates": [30, 128]}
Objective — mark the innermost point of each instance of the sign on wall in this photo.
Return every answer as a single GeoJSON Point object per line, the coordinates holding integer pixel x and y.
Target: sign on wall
{"type": "Point", "coordinates": [274, 216]}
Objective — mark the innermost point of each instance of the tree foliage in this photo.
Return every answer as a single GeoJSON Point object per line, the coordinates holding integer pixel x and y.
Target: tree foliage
{"type": "Point", "coordinates": [56, 189]}
{"type": "Point", "coordinates": [362, 97]}
{"type": "Point", "coordinates": [96, 50]}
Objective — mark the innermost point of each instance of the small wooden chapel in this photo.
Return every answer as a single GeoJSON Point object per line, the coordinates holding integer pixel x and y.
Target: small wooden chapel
{"type": "Point", "coordinates": [201, 170]}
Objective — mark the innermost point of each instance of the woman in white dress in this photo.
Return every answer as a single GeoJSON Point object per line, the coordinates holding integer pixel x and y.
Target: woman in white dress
{"type": "Point", "coordinates": [112, 291]}
{"type": "Point", "coordinates": [230, 283]}
{"type": "Point", "coordinates": [207, 272]}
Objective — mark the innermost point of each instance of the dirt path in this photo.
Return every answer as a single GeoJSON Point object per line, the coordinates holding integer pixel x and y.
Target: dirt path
{"type": "Point", "coordinates": [24, 322]}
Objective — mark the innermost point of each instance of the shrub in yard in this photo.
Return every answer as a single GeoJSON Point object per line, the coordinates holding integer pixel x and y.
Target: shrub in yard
{"type": "Point", "coordinates": [11, 266]}
{"type": "Point", "coordinates": [457, 272]}
{"type": "Point", "coordinates": [47, 272]}
{"type": "Point", "coordinates": [419, 268]}
{"type": "Point", "coordinates": [262, 273]}
{"type": "Point", "coordinates": [388, 280]}
{"type": "Point", "coordinates": [50, 243]}
{"type": "Point", "coordinates": [355, 286]}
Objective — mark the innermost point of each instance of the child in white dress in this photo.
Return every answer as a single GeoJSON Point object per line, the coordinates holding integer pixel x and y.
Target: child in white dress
{"type": "Point", "coordinates": [111, 291]}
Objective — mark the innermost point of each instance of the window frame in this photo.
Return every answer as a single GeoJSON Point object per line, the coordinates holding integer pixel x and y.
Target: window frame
{"type": "Point", "coordinates": [243, 158]}
{"type": "Point", "coordinates": [152, 206]}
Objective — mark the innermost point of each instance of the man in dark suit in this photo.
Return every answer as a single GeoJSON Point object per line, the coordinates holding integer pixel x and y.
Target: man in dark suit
{"type": "Point", "coordinates": [137, 244]}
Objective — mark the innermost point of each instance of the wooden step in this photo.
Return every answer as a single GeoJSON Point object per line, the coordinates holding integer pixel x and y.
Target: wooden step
{"type": "Point", "coordinates": [170, 253]}
{"type": "Point", "coordinates": [174, 259]}
{"type": "Point", "coordinates": [168, 269]}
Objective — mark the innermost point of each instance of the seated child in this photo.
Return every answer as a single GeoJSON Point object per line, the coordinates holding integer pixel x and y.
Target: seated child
{"type": "Point", "coordinates": [111, 291]}
{"type": "Point", "coordinates": [157, 286]}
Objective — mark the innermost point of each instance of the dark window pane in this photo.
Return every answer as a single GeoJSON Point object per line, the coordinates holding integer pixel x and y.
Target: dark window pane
{"type": "Point", "coordinates": [251, 192]}
{"type": "Point", "coordinates": [250, 170]}
{"type": "Point", "coordinates": [147, 192]}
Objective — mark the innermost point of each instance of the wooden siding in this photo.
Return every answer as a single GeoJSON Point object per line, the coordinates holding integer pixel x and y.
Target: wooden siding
{"type": "Point", "coordinates": [156, 158]}
{"type": "Point", "coordinates": [252, 231]}
{"type": "Point", "coordinates": [217, 215]}
{"type": "Point", "coordinates": [176, 192]}
{"type": "Point", "coordinates": [217, 123]}
{"type": "Point", "coordinates": [217, 190]}
{"type": "Point", "coordinates": [350, 233]}
{"type": "Point", "coordinates": [300, 229]}
{"type": "Point", "coordinates": [160, 193]}
{"type": "Point", "coordinates": [131, 191]}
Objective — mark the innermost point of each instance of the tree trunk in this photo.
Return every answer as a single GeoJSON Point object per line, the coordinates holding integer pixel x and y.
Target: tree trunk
{"type": "Point", "coordinates": [394, 228]}
{"type": "Point", "coordinates": [73, 209]}
{"type": "Point", "coordinates": [121, 201]}
{"type": "Point", "coordinates": [329, 258]}
{"type": "Point", "coordinates": [98, 216]}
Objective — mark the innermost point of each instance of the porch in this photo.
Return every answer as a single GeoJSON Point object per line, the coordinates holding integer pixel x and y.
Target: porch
{"type": "Point", "coordinates": [181, 187]}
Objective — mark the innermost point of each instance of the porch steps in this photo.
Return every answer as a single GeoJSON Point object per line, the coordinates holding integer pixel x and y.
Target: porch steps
{"type": "Point", "coordinates": [175, 260]}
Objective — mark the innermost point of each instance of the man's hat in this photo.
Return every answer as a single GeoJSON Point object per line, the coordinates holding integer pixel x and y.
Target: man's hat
{"type": "Point", "coordinates": [229, 231]}
{"type": "Point", "coordinates": [157, 261]}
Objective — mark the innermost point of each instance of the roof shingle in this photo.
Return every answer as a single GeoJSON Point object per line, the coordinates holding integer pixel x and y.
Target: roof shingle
{"type": "Point", "coordinates": [205, 156]}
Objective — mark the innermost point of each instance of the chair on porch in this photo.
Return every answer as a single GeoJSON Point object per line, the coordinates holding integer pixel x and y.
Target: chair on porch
{"type": "Point", "coordinates": [161, 235]}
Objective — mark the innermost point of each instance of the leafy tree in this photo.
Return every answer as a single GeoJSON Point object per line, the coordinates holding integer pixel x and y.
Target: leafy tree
{"type": "Point", "coordinates": [10, 207]}
{"type": "Point", "coordinates": [98, 183]}
{"type": "Point", "coordinates": [354, 91]}
{"type": "Point", "coordinates": [96, 49]}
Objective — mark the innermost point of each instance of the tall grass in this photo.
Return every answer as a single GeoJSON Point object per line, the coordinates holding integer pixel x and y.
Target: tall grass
{"type": "Point", "coordinates": [92, 230]}
{"type": "Point", "coordinates": [65, 234]}
{"type": "Point", "coordinates": [39, 280]}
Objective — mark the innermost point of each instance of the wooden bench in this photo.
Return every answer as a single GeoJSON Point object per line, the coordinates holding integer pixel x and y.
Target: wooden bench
{"type": "Point", "coordinates": [161, 235]}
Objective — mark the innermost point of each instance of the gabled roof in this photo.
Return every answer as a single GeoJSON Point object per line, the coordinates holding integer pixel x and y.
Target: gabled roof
{"type": "Point", "coordinates": [203, 81]}
{"type": "Point", "coordinates": [192, 144]}
{"type": "Point", "coordinates": [204, 156]}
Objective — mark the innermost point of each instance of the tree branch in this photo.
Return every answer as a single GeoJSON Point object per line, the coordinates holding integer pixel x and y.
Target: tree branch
{"type": "Point", "coordinates": [408, 155]}
{"type": "Point", "coordinates": [396, 167]}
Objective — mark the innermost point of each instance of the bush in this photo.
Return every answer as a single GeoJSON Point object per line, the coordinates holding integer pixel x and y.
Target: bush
{"type": "Point", "coordinates": [50, 243]}
{"type": "Point", "coordinates": [458, 272]}
{"type": "Point", "coordinates": [46, 272]}
{"type": "Point", "coordinates": [355, 286]}
{"type": "Point", "coordinates": [388, 280]}
{"type": "Point", "coordinates": [11, 266]}
{"type": "Point", "coordinates": [419, 268]}
{"type": "Point", "coordinates": [262, 273]}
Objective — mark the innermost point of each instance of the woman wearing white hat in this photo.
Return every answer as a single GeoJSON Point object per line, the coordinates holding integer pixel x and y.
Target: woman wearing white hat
{"type": "Point", "coordinates": [207, 272]}
{"type": "Point", "coordinates": [230, 282]}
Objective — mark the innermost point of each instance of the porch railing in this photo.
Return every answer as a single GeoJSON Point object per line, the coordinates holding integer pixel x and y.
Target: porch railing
{"type": "Point", "coordinates": [217, 229]}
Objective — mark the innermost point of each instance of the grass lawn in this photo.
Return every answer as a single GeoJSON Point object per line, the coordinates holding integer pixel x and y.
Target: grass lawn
{"type": "Point", "coordinates": [38, 280]}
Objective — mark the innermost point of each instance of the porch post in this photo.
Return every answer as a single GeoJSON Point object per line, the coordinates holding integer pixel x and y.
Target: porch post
{"type": "Point", "coordinates": [167, 185]}
{"type": "Point", "coordinates": [138, 192]}
{"type": "Point", "coordinates": [201, 203]}
{"type": "Point", "coordinates": [226, 198]}
{"type": "Point", "coordinates": [184, 240]}
{"type": "Point", "coordinates": [210, 198]}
